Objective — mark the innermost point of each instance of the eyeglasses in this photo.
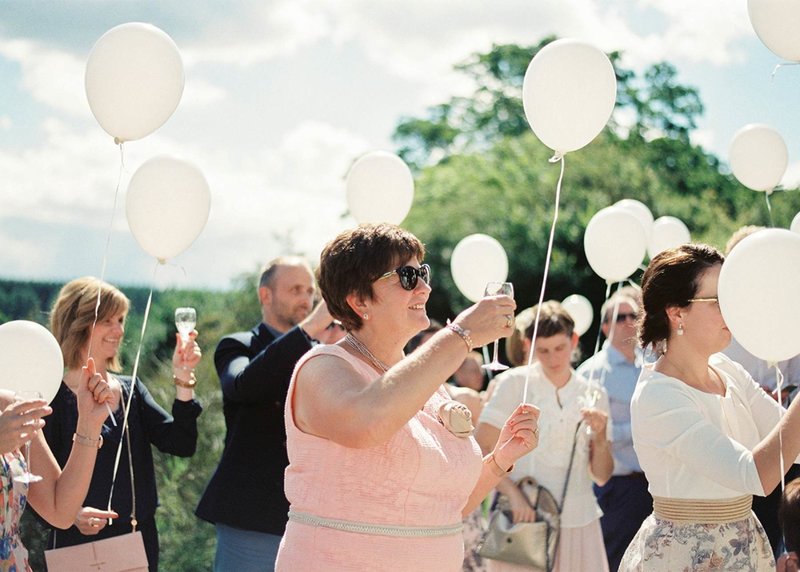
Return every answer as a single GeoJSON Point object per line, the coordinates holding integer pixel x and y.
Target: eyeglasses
{"type": "Point", "coordinates": [708, 299]}
{"type": "Point", "coordinates": [628, 316]}
{"type": "Point", "coordinates": [410, 275]}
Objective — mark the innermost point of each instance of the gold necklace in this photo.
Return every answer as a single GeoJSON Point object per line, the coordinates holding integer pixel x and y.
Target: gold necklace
{"type": "Point", "coordinates": [359, 346]}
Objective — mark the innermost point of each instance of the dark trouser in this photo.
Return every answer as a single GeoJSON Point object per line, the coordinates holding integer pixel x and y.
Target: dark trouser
{"type": "Point", "coordinates": [766, 509]}
{"type": "Point", "coordinates": [625, 503]}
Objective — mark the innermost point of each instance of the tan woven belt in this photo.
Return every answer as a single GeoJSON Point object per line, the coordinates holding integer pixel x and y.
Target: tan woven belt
{"type": "Point", "coordinates": [376, 529]}
{"type": "Point", "coordinates": [706, 511]}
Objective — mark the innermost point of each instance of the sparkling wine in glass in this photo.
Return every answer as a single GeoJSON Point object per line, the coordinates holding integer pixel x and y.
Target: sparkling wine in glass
{"type": "Point", "coordinates": [496, 289]}
{"type": "Point", "coordinates": [28, 476]}
{"type": "Point", "coordinates": [185, 321]}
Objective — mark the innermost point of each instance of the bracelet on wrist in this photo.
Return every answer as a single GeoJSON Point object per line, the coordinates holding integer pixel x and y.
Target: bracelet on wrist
{"type": "Point", "coordinates": [495, 467]}
{"type": "Point", "coordinates": [184, 383]}
{"type": "Point", "coordinates": [464, 334]}
{"type": "Point", "coordinates": [87, 441]}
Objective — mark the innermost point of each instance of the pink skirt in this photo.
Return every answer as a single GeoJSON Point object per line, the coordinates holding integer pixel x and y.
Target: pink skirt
{"type": "Point", "coordinates": [579, 549]}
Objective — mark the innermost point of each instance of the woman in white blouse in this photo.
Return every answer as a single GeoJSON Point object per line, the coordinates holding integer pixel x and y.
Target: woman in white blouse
{"type": "Point", "coordinates": [565, 399]}
{"type": "Point", "coordinates": [705, 433]}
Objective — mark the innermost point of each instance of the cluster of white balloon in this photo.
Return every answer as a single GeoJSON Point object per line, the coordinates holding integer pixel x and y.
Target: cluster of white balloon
{"type": "Point", "coordinates": [760, 279]}
{"type": "Point", "coordinates": [134, 82]}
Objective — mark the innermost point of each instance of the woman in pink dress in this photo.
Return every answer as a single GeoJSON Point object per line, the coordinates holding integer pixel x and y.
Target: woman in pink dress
{"type": "Point", "coordinates": [382, 465]}
{"type": "Point", "coordinates": [59, 495]}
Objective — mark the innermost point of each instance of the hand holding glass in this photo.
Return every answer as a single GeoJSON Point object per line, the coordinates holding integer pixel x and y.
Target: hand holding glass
{"type": "Point", "coordinates": [28, 476]}
{"type": "Point", "coordinates": [497, 289]}
{"type": "Point", "coordinates": [185, 321]}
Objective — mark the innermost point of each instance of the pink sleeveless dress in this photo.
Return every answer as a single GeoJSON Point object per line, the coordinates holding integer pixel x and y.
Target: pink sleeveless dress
{"type": "Point", "coordinates": [422, 476]}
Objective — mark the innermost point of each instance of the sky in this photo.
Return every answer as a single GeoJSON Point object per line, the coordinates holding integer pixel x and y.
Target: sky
{"type": "Point", "coordinates": [281, 96]}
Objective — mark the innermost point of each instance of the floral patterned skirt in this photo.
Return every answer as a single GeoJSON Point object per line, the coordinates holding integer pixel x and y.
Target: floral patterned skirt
{"type": "Point", "coordinates": [696, 547]}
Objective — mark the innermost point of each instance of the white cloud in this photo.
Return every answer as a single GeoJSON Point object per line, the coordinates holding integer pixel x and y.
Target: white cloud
{"type": "Point", "coordinates": [53, 77]}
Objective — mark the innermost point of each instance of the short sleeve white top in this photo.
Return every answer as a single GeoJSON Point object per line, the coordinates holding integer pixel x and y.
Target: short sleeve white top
{"type": "Point", "coordinates": [560, 415]}
{"type": "Point", "coordinates": [698, 445]}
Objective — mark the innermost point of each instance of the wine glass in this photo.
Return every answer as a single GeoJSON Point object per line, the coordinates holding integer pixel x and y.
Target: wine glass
{"type": "Point", "coordinates": [496, 289]}
{"type": "Point", "coordinates": [185, 321]}
{"type": "Point", "coordinates": [28, 476]}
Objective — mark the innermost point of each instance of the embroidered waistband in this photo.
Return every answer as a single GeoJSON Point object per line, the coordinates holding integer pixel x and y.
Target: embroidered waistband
{"type": "Point", "coordinates": [710, 511]}
{"type": "Point", "coordinates": [376, 529]}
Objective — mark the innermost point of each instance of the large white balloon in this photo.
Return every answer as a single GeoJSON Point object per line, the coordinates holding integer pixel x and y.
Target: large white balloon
{"type": "Point", "coordinates": [758, 157]}
{"type": "Point", "coordinates": [668, 232]}
{"type": "Point", "coordinates": [776, 23]}
{"type": "Point", "coordinates": [167, 205]}
{"type": "Point", "coordinates": [476, 260]}
{"type": "Point", "coordinates": [581, 312]}
{"type": "Point", "coordinates": [615, 243]}
{"type": "Point", "coordinates": [380, 188]}
{"type": "Point", "coordinates": [641, 211]}
{"type": "Point", "coordinates": [795, 227]}
{"type": "Point", "coordinates": [758, 293]}
{"type": "Point", "coordinates": [30, 359]}
{"type": "Point", "coordinates": [134, 80]}
{"type": "Point", "coordinates": [568, 94]}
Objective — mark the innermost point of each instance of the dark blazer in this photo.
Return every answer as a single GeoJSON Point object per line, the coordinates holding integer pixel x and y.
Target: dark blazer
{"type": "Point", "coordinates": [246, 490]}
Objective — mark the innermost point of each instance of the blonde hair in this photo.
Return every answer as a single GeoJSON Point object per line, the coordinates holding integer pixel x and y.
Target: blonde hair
{"type": "Point", "coordinates": [73, 314]}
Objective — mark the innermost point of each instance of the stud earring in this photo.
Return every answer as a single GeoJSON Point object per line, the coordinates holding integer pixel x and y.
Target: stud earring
{"type": "Point", "coordinates": [365, 316]}
{"type": "Point", "coordinates": [680, 329]}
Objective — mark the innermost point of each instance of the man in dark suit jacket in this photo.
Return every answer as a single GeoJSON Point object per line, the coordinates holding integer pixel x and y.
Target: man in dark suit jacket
{"type": "Point", "coordinates": [245, 498]}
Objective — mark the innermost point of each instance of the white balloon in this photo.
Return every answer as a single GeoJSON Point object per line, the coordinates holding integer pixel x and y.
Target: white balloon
{"type": "Point", "coordinates": [758, 293]}
{"type": "Point", "coordinates": [640, 210]}
{"type": "Point", "coordinates": [568, 94]}
{"type": "Point", "coordinates": [615, 243]}
{"type": "Point", "coordinates": [668, 232]}
{"type": "Point", "coordinates": [581, 312]}
{"type": "Point", "coordinates": [30, 359]}
{"type": "Point", "coordinates": [167, 206]}
{"type": "Point", "coordinates": [476, 260]}
{"type": "Point", "coordinates": [380, 188]}
{"type": "Point", "coordinates": [134, 80]}
{"type": "Point", "coordinates": [776, 23]}
{"type": "Point", "coordinates": [758, 157]}
{"type": "Point", "coordinates": [795, 227]}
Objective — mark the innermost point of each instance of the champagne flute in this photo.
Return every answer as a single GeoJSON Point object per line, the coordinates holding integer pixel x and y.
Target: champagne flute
{"type": "Point", "coordinates": [496, 289]}
{"type": "Point", "coordinates": [185, 321]}
{"type": "Point", "coordinates": [28, 476]}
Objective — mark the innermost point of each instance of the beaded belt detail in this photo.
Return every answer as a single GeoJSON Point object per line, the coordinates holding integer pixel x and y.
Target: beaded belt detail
{"type": "Point", "coordinates": [376, 529]}
{"type": "Point", "coordinates": [706, 511]}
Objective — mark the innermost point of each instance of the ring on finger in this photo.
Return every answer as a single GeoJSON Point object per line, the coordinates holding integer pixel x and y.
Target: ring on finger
{"type": "Point", "coordinates": [509, 320]}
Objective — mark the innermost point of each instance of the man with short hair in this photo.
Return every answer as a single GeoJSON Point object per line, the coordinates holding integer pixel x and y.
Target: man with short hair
{"type": "Point", "coordinates": [624, 500]}
{"type": "Point", "coordinates": [244, 498]}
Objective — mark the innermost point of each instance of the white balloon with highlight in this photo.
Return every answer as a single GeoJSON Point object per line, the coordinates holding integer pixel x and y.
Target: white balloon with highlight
{"type": "Point", "coordinates": [380, 188]}
{"type": "Point", "coordinates": [615, 243]}
{"type": "Point", "coordinates": [477, 260]}
{"type": "Point", "coordinates": [668, 232]}
{"type": "Point", "coordinates": [580, 310]}
{"type": "Point", "coordinates": [30, 359]}
{"type": "Point", "coordinates": [758, 157]}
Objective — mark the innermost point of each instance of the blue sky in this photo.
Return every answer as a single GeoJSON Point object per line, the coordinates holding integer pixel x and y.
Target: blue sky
{"type": "Point", "coordinates": [282, 95]}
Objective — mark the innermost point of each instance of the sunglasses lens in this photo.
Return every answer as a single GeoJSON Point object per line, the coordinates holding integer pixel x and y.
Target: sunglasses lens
{"type": "Point", "coordinates": [408, 277]}
{"type": "Point", "coordinates": [425, 274]}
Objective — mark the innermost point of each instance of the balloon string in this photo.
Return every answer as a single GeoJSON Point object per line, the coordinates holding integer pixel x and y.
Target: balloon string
{"type": "Point", "coordinates": [769, 211]}
{"type": "Point", "coordinates": [133, 385]}
{"type": "Point", "coordinates": [599, 334]}
{"type": "Point", "coordinates": [779, 380]}
{"type": "Point", "coordinates": [103, 265]}
{"type": "Point", "coordinates": [555, 158]}
{"type": "Point", "coordinates": [779, 66]}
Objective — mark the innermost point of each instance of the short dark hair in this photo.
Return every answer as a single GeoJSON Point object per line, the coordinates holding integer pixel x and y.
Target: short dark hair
{"type": "Point", "coordinates": [352, 261]}
{"type": "Point", "coordinates": [268, 271]}
{"type": "Point", "coordinates": [671, 279]}
{"type": "Point", "coordinates": [789, 515]}
{"type": "Point", "coordinates": [553, 320]}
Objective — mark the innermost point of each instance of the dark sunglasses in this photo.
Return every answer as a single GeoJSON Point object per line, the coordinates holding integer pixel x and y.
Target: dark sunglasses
{"type": "Point", "coordinates": [622, 317]}
{"type": "Point", "coordinates": [409, 275]}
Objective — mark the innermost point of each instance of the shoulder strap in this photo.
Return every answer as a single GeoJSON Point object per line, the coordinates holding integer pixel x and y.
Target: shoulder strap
{"type": "Point", "coordinates": [569, 468]}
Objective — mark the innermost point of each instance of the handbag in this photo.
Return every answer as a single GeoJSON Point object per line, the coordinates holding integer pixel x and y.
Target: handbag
{"type": "Point", "coordinates": [123, 553]}
{"type": "Point", "coordinates": [531, 544]}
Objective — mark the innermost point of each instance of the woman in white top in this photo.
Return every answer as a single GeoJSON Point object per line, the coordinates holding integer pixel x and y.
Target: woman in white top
{"type": "Point", "coordinates": [565, 399]}
{"type": "Point", "coordinates": [705, 433]}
